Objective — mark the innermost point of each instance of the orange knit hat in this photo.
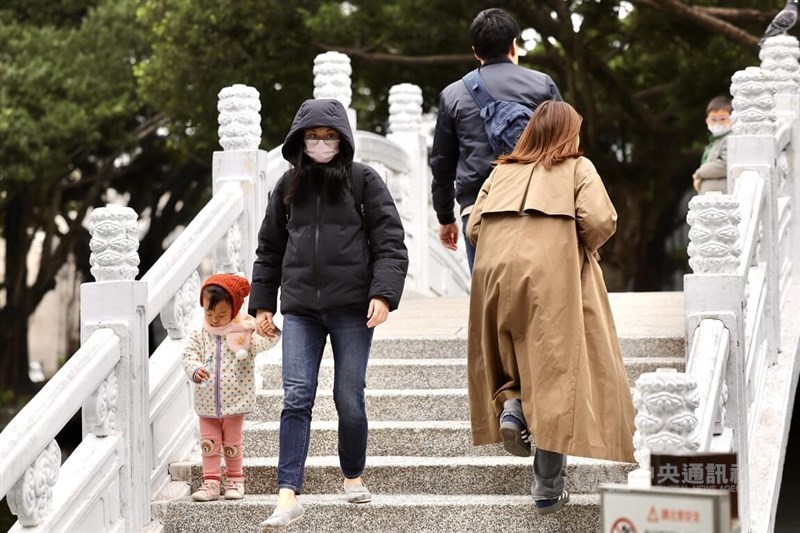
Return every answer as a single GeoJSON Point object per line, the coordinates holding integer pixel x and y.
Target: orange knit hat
{"type": "Point", "coordinates": [236, 286]}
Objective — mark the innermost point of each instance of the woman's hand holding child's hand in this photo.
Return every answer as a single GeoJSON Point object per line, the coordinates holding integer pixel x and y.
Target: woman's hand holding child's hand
{"type": "Point", "coordinates": [264, 324]}
{"type": "Point", "coordinates": [378, 312]}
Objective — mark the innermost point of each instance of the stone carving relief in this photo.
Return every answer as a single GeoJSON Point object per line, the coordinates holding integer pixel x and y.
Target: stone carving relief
{"type": "Point", "coordinates": [332, 72]}
{"type": "Point", "coordinates": [228, 251]}
{"type": "Point", "coordinates": [100, 410]}
{"type": "Point", "coordinates": [405, 108]}
{"type": "Point", "coordinates": [782, 171]}
{"type": "Point", "coordinates": [779, 56]}
{"type": "Point", "coordinates": [239, 109]}
{"type": "Point", "coordinates": [114, 243]}
{"type": "Point", "coordinates": [665, 418]}
{"type": "Point", "coordinates": [30, 497]}
{"type": "Point", "coordinates": [177, 314]}
{"type": "Point", "coordinates": [723, 409]}
{"type": "Point", "coordinates": [753, 102]}
{"type": "Point", "coordinates": [714, 245]}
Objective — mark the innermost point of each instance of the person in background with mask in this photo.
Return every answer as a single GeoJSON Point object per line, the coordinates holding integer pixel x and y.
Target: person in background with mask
{"type": "Point", "coordinates": [333, 242]}
{"type": "Point", "coordinates": [713, 171]}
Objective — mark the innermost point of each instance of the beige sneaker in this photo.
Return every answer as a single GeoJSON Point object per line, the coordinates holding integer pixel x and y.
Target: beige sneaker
{"type": "Point", "coordinates": [234, 490]}
{"type": "Point", "coordinates": [209, 491]}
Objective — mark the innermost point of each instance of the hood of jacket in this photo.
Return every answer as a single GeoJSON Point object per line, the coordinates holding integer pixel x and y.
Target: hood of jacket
{"type": "Point", "coordinates": [315, 113]}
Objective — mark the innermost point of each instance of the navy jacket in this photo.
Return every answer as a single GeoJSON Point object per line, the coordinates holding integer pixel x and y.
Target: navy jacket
{"type": "Point", "coordinates": [325, 255]}
{"type": "Point", "coordinates": [461, 158]}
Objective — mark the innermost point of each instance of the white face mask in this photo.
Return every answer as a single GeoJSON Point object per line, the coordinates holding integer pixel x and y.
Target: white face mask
{"type": "Point", "coordinates": [319, 151]}
{"type": "Point", "coordinates": [718, 129]}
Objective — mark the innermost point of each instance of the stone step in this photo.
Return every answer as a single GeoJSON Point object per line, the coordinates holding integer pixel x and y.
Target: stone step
{"type": "Point", "coordinates": [456, 347]}
{"type": "Point", "coordinates": [432, 373]}
{"type": "Point", "coordinates": [448, 438]}
{"type": "Point", "coordinates": [173, 490]}
{"type": "Point", "coordinates": [420, 475]}
{"type": "Point", "coordinates": [396, 404]}
{"type": "Point", "coordinates": [390, 513]}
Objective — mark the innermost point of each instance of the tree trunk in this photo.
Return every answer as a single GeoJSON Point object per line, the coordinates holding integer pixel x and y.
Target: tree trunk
{"type": "Point", "coordinates": [14, 315]}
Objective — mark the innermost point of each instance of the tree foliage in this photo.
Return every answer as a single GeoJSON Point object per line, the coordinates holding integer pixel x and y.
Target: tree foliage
{"type": "Point", "coordinates": [122, 95]}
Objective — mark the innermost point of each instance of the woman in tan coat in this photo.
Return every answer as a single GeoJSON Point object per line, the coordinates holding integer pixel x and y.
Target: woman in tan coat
{"type": "Point", "coordinates": [543, 349]}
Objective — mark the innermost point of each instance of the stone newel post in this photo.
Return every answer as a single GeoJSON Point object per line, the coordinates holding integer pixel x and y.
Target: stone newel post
{"type": "Point", "coordinates": [243, 164]}
{"type": "Point", "coordinates": [332, 73]}
{"type": "Point", "coordinates": [405, 119]}
{"type": "Point", "coordinates": [117, 301]}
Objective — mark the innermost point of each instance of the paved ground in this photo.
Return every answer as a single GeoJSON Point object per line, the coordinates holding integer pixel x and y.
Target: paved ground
{"type": "Point", "coordinates": [635, 313]}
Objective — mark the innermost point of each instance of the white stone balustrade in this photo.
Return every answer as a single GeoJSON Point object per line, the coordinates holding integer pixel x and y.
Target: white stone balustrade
{"type": "Point", "coordinates": [405, 108]}
{"type": "Point", "coordinates": [332, 72]}
{"type": "Point", "coordinates": [30, 497]}
{"type": "Point", "coordinates": [753, 103]}
{"type": "Point", "coordinates": [239, 118]}
{"type": "Point", "coordinates": [779, 57]}
{"type": "Point", "coordinates": [114, 243]}
{"type": "Point", "coordinates": [714, 245]}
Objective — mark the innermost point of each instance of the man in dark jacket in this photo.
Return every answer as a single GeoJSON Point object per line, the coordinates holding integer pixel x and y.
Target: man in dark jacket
{"type": "Point", "coordinates": [461, 158]}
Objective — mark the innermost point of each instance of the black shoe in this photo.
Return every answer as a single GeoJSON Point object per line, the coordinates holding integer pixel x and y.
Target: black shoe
{"type": "Point", "coordinates": [552, 505]}
{"type": "Point", "coordinates": [516, 438]}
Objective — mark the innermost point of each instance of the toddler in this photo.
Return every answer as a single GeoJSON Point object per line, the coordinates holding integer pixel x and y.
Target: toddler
{"type": "Point", "coordinates": [219, 359]}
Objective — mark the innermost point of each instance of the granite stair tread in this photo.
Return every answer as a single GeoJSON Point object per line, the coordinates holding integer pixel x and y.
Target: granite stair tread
{"type": "Point", "coordinates": [420, 513]}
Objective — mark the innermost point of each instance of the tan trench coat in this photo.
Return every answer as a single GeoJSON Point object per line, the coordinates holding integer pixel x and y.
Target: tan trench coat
{"type": "Point", "coordinates": [540, 325]}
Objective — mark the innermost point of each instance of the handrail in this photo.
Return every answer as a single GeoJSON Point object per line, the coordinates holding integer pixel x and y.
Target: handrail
{"type": "Point", "coordinates": [39, 422]}
{"type": "Point", "coordinates": [199, 238]}
{"type": "Point", "coordinates": [750, 193]}
{"type": "Point", "coordinates": [373, 147]}
{"type": "Point", "coordinates": [707, 362]}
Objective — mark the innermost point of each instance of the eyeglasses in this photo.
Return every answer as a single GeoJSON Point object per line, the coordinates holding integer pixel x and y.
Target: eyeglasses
{"type": "Point", "coordinates": [329, 141]}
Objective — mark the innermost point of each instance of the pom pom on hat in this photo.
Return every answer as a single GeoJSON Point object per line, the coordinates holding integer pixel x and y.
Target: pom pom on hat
{"type": "Point", "coordinates": [236, 286]}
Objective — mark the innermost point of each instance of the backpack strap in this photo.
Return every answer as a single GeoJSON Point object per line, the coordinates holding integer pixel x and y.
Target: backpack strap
{"type": "Point", "coordinates": [356, 186]}
{"type": "Point", "coordinates": [357, 181]}
{"type": "Point", "coordinates": [478, 89]}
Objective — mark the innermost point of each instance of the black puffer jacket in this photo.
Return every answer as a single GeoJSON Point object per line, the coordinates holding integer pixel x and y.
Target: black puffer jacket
{"type": "Point", "coordinates": [326, 256]}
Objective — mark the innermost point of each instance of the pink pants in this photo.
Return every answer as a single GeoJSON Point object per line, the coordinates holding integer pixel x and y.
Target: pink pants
{"type": "Point", "coordinates": [223, 434]}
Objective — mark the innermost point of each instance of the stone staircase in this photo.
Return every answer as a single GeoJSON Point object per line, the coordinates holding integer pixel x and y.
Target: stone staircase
{"type": "Point", "coordinates": [426, 475]}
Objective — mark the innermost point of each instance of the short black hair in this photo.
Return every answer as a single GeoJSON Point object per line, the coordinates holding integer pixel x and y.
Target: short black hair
{"type": "Point", "coordinates": [215, 295]}
{"type": "Point", "coordinates": [492, 32]}
{"type": "Point", "coordinates": [718, 103]}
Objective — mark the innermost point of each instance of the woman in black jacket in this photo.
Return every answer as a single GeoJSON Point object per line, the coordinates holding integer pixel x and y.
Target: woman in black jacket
{"type": "Point", "coordinates": [332, 241]}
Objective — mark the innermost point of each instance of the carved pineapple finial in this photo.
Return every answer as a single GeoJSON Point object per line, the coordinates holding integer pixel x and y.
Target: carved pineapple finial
{"type": "Point", "coordinates": [332, 72]}
{"type": "Point", "coordinates": [753, 102]}
{"type": "Point", "coordinates": [714, 245]}
{"type": "Point", "coordinates": [114, 243]}
{"type": "Point", "coordinates": [239, 118]}
{"type": "Point", "coordinates": [779, 57]}
{"type": "Point", "coordinates": [405, 108]}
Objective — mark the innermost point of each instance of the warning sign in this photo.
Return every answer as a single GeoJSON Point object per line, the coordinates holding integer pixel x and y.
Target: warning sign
{"type": "Point", "coordinates": [666, 510]}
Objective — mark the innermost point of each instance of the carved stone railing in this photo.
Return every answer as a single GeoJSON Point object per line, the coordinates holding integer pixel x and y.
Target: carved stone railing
{"type": "Point", "coordinates": [744, 253]}
{"type": "Point", "coordinates": [136, 415]}
{"type": "Point", "coordinates": [400, 158]}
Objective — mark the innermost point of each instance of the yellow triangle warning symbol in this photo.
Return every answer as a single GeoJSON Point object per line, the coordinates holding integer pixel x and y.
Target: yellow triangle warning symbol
{"type": "Point", "coordinates": [652, 516]}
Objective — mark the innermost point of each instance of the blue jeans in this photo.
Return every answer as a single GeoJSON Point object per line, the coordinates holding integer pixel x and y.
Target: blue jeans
{"type": "Point", "coordinates": [470, 248]}
{"type": "Point", "coordinates": [303, 343]}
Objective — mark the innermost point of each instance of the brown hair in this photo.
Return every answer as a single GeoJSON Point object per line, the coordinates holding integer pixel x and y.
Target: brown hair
{"type": "Point", "coordinates": [549, 138]}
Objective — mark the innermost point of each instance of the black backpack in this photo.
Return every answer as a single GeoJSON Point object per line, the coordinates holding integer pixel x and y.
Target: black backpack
{"type": "Point", "coordinates": [503, 121]}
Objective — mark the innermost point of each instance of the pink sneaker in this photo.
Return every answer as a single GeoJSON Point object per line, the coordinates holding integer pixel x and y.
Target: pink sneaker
{"type": "Point", "coordinates": [209, 491]}
{"type": "Point", "coordinates": [234, 490]}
